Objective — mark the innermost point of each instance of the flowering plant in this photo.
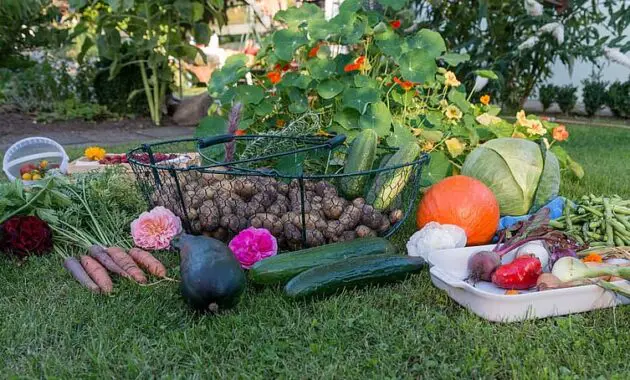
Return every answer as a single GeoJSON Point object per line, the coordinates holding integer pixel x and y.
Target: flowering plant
{"type": "Point", "coordinates": [24, 235]}
{"type": "Point", "coordinates": [359, 70]}
{"type": "Point", "coordinates": [252, 245]}
{"type": "Point", "coordinates": [155, 229]}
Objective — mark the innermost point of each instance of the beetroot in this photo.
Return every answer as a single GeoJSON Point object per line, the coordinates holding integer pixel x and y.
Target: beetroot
{"type": "Point", "coordinates": [482, 264]}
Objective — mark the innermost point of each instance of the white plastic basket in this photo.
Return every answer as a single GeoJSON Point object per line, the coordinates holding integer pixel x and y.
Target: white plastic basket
{"type": "Point", "coordinates": [32, 150]}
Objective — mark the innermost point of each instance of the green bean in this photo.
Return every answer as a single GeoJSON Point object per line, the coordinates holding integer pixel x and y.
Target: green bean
{"type": "Point", "coordinates": [618, 241]}
{"type": "Point", "coordinates": [610, 238]}
{"type": "Point", "coordinates": [621, 210]}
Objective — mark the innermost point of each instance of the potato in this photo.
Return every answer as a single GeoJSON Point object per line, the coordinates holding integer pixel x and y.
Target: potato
{"type": "Point", "coordinates": [396, 216]}
{"type": "Point", "coordinates": [365, 231]}
{"type": "Point", "coordinates": [209, 215]}
{"type": "Point", "coordinates": [268, 221]}
{"type": "Point", "coordinates": [333, 206]}
{"type": "Point", "coordinates": [371, 217]}
{"type": "Point", "coordinates": [233, 223]}
{"type": "Point", "coordinates": [350, 217]}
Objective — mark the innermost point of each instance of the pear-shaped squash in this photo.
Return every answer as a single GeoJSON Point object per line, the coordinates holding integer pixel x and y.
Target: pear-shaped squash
{"type": "Point", "coordinates": [211, 277]}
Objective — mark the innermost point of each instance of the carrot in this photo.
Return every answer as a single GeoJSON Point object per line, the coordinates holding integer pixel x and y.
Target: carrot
{"type": "Point", "coordinates": [97, 273]}
{"type": "Point", "coordinates": [100, 254]}
{"type": "Point", "coordinates": [147, 261]}
{"type": "Point", "coordinates": [78, 272]}
{"type": "Point", "coordinates": [124, 261]}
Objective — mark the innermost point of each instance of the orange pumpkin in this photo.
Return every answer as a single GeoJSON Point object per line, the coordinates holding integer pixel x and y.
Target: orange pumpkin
{"type": "Point", "coordinates": [464, 202]}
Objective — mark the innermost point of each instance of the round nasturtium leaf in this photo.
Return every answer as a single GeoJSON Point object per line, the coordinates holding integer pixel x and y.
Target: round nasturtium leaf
{"type": "Point", "coordinates": [249, 94]}
{"type": "Point", "coordinates": [377, 118]}
{"type": "Point", "coordinates": [287, 41]}
{"type": "Point", "coordinates": [329, 88]}
{"type": "Point", "coordinates": [429, 42]}
{"type": "Point", "coordinates": [359, 98]}
{"type": "Point", "coordinates": [418, 66]}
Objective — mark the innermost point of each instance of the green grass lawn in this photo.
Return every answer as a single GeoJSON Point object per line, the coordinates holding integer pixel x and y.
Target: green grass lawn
{"type": "Point", "coordinates": [51, 327]}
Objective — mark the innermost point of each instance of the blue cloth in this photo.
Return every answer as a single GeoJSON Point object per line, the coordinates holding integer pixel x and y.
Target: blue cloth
{"type": "Point", "coordinates": [555, 206]}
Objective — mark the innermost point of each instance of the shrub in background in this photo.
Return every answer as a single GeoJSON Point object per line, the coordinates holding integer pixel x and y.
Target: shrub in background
{"type": "Point", "coordinates": [619, 99]}
{"type": "Point", "coordinates": [115, 93]}
{"type": "Point", "coordinates": [566, 98]}
{"type": "Point", "coordinates": [547, 95]}
{"type": "Point", "coordinates": [594, 94]}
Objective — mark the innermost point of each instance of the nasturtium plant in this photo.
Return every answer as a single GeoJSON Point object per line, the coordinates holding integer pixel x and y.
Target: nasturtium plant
{"type": "Point", "coordinates": [362, 70]}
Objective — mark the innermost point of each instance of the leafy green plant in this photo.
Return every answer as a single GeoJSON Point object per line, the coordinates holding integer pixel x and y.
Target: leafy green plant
{"type": "Point", "coordinates": [547, 95]}
{"type": "Point", "coordinates": [146, 33]}
{"type": "Point", "coordinates": [619, 99]}
{"type": "Point", "coordinates": [566, 97]}
{"type": "Point", "coordinates": [494, 33]}
{"type": "Point", "coordinates": [594, 94]}
{"type": "Point", "coordinates": [71, 109]}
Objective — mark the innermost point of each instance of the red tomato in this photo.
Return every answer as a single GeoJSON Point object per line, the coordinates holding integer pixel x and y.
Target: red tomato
{"type": "Point", "coordinates": [520, 274]}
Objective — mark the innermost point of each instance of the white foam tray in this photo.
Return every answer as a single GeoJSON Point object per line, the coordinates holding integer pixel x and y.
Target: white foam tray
{"type": "Point", "coordinates": [448, 272]}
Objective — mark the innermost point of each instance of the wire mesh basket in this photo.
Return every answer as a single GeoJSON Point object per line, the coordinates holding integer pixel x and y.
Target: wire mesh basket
{"type": "Point", "coordinates": [294, 187]}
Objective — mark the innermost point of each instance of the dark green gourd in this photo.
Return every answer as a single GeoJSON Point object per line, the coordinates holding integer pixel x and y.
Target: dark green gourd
{"type": "Point", "coordinates": [211, 277]}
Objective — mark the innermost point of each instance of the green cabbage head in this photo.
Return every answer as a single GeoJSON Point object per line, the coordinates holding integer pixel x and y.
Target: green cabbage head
{"type": "Point", "coordinates": [516, 171]}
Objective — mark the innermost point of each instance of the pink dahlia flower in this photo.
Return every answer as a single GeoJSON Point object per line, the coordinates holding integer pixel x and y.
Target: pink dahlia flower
{"type": "Point", "coordinates": [155, 229]}
{"type": "Point", "coordinates": [252, 245]}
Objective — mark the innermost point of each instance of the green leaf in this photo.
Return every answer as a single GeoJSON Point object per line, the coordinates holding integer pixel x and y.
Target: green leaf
{"type": "Point", "coordinates": [322, 69]}
{"type": "Point", "coordinates": [211, 126]}
{"type": "Point", "coordinates": [77, 4]}
{"type": "Point", "coordinates": [428, 41]}
{"type": "Point", "coordinates": [431, 135]}
{"type": "Point", "coordinates": [400, 136]}
{"type": "Point", "coordinates": [295, 16]}
{"type": "Point", "coordinates": [359, 98]}
{"type": "Point", "coordinates": [234, 69]}
{"type": "Point", "coordinates": [355, 33]}
{"type": "Point", "coordinates": [247, 94]}
{"type": "Point", "coordinates": [418, 66]}
{"type": "Point", "coordinates": [201, 33]}
{"type": "Point", "coordinates": [294, 79]}
{"type": "Point", "coordinates": [88, 43]}
{"type": "Point", "coordinates": [393, 4]}
{"type": "Point", "coordinates": [493, 110]}
{"type": "Point", "coordinates": [347, 118]}
{"type": "Point", "coordinates": [435, 118]}
{"type": "Point", "coordinates": [291, 164]}
{"type": "Point", "coordinates": [489, 74]}
{"type": "Point", "coordinates": [329, 88]}
{"type": "Point", "coordinates": [391, 43]}
{"type": "Point", "coordinates": [319, 29]}
{"type": "Point", "coordinates": [108, 43]}
{"type": "Point", "coordinates": [454, 59]}
{"type": "Point", "coordinates": [439, 168]}
{"type": "Point", "coordinates": [459, 99]}
{"type": "Point", "coordinates": [264, 108]}
{"type": "Point", "coordinates": [378, 118]}
{"type": "Point", "coordinates": [287, 41]}
{"type": "Point", "coordinates": [361, 80]}
{"type": "Point", "coordinates": [471, 128]}
{"type": "Point", "coordinates": [340, 130]}
{"type": "Point", "coordinates": [197, 11]}
{"type": "Point", "coordinates": [350, 6]}
{"type": "Point", "coordinates": [120, 5]}
{"type": "Point", "coordinates": [299, 102]}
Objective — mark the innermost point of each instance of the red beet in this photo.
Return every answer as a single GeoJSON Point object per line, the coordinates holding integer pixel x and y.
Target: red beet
{"type": "Point", "coordinates": [482, 264]}
{"type": "Point", "coordinates": [520, 274]}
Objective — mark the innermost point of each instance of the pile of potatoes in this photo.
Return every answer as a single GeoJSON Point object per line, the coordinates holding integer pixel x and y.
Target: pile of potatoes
{"type": "Point", "coordinates": [221, 205]}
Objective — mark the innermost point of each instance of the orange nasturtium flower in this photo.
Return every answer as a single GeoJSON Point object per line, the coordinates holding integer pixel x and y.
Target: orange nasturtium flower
{"type": "Point", "coordinates": [240, 132]}
{"type": "Point", "coordinates": [274, 77]}
{"type": "Point", "coordinates": [593, 258]}
{"type": "Point", "coordinates": [485, 100]}
{"type": "Point", "coordinates": [560, 133]}
{"type": "Point", "coordinates": [313, 52]}
{"type": "Point", "coordinates": [395, 24]}
{"type": "Point", "coordinates": [356, 65]}
{"type": "Point", "coordinates": [278, 67]}
{"type": "Point", "coordinates": [280, 123]}
{"type": "Point", "coordinates": [405, 85]}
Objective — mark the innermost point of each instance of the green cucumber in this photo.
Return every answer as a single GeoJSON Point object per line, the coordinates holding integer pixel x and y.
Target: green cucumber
{"type": "Point", "coordinates": [352, 273]}
{"type": "Point", "coordinates": [390, 183]}
{"type": "Point", "coordinates": [281, 268]}
{"type": "Point", "coordinates": [360, 158]}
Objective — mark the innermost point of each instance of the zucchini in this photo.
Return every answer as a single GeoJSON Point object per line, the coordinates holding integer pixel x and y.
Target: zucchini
{"type": "Point", "coordinates": [361, 156]}
{"type": "Point", "coordinates": [281, 268]}
{"type": "Point", "coordinates": [351, 273]}
{"type": "Point", "coordinates": [389, 184]}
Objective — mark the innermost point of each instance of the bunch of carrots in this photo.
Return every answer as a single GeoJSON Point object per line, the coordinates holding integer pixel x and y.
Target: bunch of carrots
{"type": "Point", "coordinates": [92, 270]}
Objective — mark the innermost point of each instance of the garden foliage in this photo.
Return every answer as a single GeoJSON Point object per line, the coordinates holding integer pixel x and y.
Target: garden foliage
{"type": "Point", "coordinates": [547, 95]}
{"type": "Point", "coordinates": [619, 99]}
{"type": "Point", "coordinates": [594, 94]}
{"type": "Point", "coordinates": [361, 70]}
{"type": "Point", "coordinates": [566, 98]}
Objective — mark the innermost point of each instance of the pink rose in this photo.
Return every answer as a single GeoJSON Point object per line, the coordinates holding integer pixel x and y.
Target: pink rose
{"type": "Point", "coordinates": [252, 245]}
{"type": "Point", "coordinates": [155, 229]}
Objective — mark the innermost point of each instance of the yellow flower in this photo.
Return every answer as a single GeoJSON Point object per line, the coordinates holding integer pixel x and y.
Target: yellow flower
{"type": "Point", "coordinates": [450, 79]}
{"type": "Point", "coordinates": [521, 118]}
{"type": "Point", "coordinates": [485, 100]}
{"type": "Point", "coordinates": [487, 120]}
{"type": "Point", "coordinates": [454, 146]}
{"type": "Point", "coordinates": [94, 153]}
{"type": "Point", "coordinates": [443, 103]}
{"type": "Point", "coordinates": [535, 127]}
{"type": "Point", "coordinates": [427, 146]}
{"type": "Point", "coordinates": [453, 113]}
{"type": "Point", "coordinates": [518, 135]}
